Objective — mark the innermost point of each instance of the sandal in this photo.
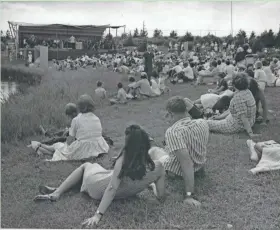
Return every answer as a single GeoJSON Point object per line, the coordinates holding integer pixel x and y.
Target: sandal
{"type": "Point", "coordinates": [46, 189]}
{"type": "Point", "coordinates": [44, 198]}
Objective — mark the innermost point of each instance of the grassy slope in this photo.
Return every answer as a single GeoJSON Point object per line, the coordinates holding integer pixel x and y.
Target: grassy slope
{"type": "Point", "coordinates": [228, 193]}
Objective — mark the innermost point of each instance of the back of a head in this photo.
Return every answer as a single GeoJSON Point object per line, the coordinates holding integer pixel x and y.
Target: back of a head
{"type": "Point", "coordinates": [99, 84]}
{"type": "Point", "coordinates": [192, 65]}
{"type": "Point", "coordinates": [71, 109]}
{"type": "Point", "coordinates": [176, 104]}
{"type": "Point", "coordinates": [120, 85]}
{"type": "Point", "coordinates": [219, 62]}
{"type": "Point", "coordinates": [214, 64]}
{"type": "Point", "coordinates": [131, 79]}
{"type": "Point", "coordinates": [228, 62]}
{"type": "Point", "coordinates": [85, 104]}
{"type": "Point", "coordinates": [135, 151]}
{"type": "Point", "coordinates": [240, 81]}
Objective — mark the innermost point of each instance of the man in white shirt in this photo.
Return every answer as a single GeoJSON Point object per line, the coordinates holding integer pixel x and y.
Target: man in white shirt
{"type": "Point", "coordinates": [188, 71]}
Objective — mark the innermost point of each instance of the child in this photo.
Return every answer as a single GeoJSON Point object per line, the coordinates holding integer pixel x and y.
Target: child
{"type": "Point", "coordinates": [131, 92]}
{"type": "Point", "coordinates": [100, 92]}
{"type": "Point", "coordinates": [161, 83]}
{"type": "Point", "coordinates": [121, 96]}
{"type": "Point", "coordinates": [155, 87]}
{"type": "Point", "coordinates": [71, 112]}
{"type": "Point", "coordinates": [260, 75]}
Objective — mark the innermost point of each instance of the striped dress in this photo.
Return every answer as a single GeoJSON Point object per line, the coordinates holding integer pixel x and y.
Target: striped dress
{"type": "Point", "coordinates": [186, 134]}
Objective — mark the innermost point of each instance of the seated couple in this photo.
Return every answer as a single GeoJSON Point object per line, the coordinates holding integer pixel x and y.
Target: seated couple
{"type": "Point", "coordinates": [85, 138]}
{"type": "Point", "coordinates": [139, 166]}
{"type": "Point", "coordinates": [144, 88]}
{"type": "Point", "coordinates": [180, 75]}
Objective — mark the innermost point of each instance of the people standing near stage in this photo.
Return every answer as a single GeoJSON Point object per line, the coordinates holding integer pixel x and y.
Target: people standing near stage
{"type": "Point", "coordinates": [149, 58]}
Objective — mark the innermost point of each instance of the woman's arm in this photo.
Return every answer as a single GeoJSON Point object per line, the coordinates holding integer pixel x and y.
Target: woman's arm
{"type": "Point", "coordinates": [222, 116]}
{"type": "Point", "coordinates": [108, 196]}
{"type": "Point", "coordinates": [246, 124]}
{"type": "Point", "coordinates": [264, 105]}
{"type": "Point", "coordinates": [112, 188]}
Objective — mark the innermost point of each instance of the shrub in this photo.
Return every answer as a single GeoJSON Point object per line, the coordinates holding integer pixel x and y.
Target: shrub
{"type": "Point", "coordinates": [21, 75]}
{"type": "Point", "coordinates": [128, 42]}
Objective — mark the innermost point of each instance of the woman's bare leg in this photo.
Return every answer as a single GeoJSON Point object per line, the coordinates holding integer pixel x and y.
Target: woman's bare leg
{"type": "Point", "coordinates": [74, 178]}
{"type": "Point", "coordinates": [159, 189]}
{"type": "Point", "coordinates": [254, 156]}
{"type": "Point", "coordinates": [48, 147]}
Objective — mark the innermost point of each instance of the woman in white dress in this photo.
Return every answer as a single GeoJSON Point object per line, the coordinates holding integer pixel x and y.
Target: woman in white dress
{"type": "Point", "coordinates": [85, 136]}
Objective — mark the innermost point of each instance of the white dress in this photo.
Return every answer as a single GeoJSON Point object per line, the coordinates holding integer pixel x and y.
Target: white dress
{"type": "Point", "coordinates": [155, 87]}
{"type": "Point", "coordinates": [87, 130]}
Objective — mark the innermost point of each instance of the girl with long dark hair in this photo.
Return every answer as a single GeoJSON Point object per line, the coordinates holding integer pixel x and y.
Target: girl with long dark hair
{"type": "Point", "coordinates": [134, 170]}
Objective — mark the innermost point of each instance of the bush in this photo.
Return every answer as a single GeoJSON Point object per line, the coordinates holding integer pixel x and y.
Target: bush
{"type": "Point", "coordinates": [128, 42]}
{"type": "Point", "coordinates": [21, 75]}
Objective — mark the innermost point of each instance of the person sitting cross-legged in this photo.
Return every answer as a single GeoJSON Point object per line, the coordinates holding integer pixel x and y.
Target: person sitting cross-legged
{"type": "Point", "coordinates": [134, 171]}
{"type": "Point", "coordinates": [186, 145]}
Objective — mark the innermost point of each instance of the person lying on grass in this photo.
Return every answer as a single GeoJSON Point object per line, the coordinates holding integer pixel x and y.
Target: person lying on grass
{"type": "Point", "coordinates": [134, 170]}
{"type": "Point", "coordinates": [186, 146]}
{"type": "Point", "coordinates": [85, 138]}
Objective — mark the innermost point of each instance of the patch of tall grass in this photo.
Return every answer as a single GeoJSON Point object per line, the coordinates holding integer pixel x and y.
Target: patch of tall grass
{"type": "Point", "coordinates": [44, 104]}
{"type": "Point", "coordinates": [21, 74]}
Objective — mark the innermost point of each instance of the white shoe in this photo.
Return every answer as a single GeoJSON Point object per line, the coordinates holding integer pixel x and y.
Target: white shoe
{"type": "Point", "coordinates": [253, 154]}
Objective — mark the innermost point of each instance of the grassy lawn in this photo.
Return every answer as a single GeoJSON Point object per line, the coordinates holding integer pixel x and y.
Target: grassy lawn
{"type": "Point", "coordinates": [229, 194]}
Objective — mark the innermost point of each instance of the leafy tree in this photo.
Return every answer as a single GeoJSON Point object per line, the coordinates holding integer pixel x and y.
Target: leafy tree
{"type": "Point", "coordinates": [267, 38]}
{"type": "Point", "coordinates": [8, 35]}
{"type": "Point", "coordinates": [157, 33]}
{"type": "Point", "coordinates": [277, 39]}
{"type": "Point", "coordinates": [136, 33]}
{"type": "Point", "coordinates": [173, 34]}
{"type": "Point", "coordinates": [241, 38]}
{"type": "Point", "coordinates": [252, 35]}
{"type": "Point", "coordinates": [124, 36]}
{"type": "Point", "coordinates": [257, 45]}
{"type": "Point", "coordinates": [144, 33]}
{"type": "Point", "coordinates": [187, 37]}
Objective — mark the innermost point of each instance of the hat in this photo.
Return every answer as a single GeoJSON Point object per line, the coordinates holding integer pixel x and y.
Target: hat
{"type": "Point", "coordinates": [249, 51]}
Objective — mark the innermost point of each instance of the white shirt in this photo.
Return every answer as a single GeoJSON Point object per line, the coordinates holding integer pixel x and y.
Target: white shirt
{"type": "Point", "coordinates": [189, 72]}
{"type": "Point", "coordinates": [178, 69]}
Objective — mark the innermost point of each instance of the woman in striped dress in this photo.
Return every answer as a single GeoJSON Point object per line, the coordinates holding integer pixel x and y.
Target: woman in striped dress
{"type": "Point", "coordinates": [134, 170]}
{"type": "Point", "coordinates": [242, 110]}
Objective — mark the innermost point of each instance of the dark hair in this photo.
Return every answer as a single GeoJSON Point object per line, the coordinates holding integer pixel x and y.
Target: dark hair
{"type": "Point", "coordinates": [219, 62]}
{"type": "Point", "coordinates": [264, 63]}
{"type": "Point", "coordinates": [85, 104]}
{"type": "Point", "coordinates": [71, 109]}
{"type": "Point", "coordinates": [192, 64]}
{"type": "Point", "coordinates": [155, 74]}
{"type": "Point", "coordinates": [136, 154]}
{"type": "Point", "coordinates": [250, 65]}
{"type": "Point", "coordinates": [120, 85]}
{"type": "Point", "coordinates": [144, 76]}
{"type": "Point", "coordinates": [131, 79]}
{"type": "Point", "coordinates": [221, 74]}
{"type": "Point", "coordinates": [99, 84]}
{"type": "Point", "coordinates": [228, 62]}
{"type": "Point", "coordinates": [222, 104]}
{"type": "Point", "coordinates": [240, 81]}
{"type": "Point", "coordinates": [214, 63]}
